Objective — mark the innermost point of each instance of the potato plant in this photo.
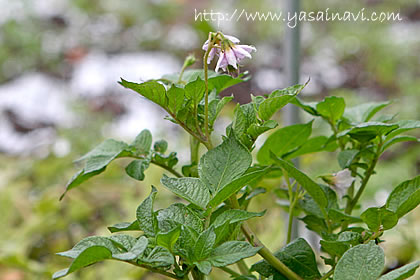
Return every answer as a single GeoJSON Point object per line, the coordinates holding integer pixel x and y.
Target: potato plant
{"type": "Point", "coordinates": [209, 229]}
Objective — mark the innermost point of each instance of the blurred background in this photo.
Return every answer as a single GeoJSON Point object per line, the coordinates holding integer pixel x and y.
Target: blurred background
{"type": "Point", "coordinates": [60, 61]}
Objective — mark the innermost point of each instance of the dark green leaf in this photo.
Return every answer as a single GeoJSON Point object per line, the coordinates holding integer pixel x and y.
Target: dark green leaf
{"type": "Point", "coordinates": [195, 90]}
{"type": "Point", "coordinates": [175, 99]}
{"type": "Point", "coordinates": [255, 130]}
{"type": "Point", "coordinates": [204, 267]}
{"type": "Point", "coordinates": [159, 256]}
{"type": "Point", "coordinates": [399, 139]}
{"type": "Point", "coordinates": [152, 90]}
{"type": "Point", "coordinates": [365, 111]}
{"type": "Point", "coordinates": [401, 273]}
{"type": "Point", "coordinates": [216, 106]}
{"type": "Point", "coordinates": [234, 216]}
{"type": "Point", "coordinates": [178, 214]}
{"type": "Point", "coordinates": [313, 189]}
{"type": "Point", "coordinates": [375, 217]}
{"type": "Point", "coordinates": [134, 251]}
{"type": "Point", "coordinates": [134, 226]}
{"type": "Point", "coordinates": [404, 126]}
{"type": "Point", "coordinates": [362, 262]}
{"type": "Point", "coordinates": [169, 238]}
{"type": "Point", "coordinates": [369, 130]}
{"type": "Point", "coordinates": [277, 100]}
{"type": "Point", "coordinates": [191, 189]}
{"type": "Point", "coordinates": [236, 185]}
{"type": "Point", "coordinates": [405, 197]}
{"type": "Point", "coordinates": [204, 244]}
{"type": "Point", "coordinates": [332, 108]}
{"type": "Point", "coordinates": [223, 164]}
{"type": "Point", "coordinates": [297, 255]}
{"type": "Point", "coordinates": [136, 168]}
{"type": "Point", "coordinates": [339, 217]}
{"type": "Point", "coordinates": [230, 252]}
{"type": "Point", "coordinates": [143, 142]}
{"type": "Point", "coordinates": [284, 140]}
{"type": "Point", "coordinates": [146, 216]}
{"type": "Point", "coordinates": [312, 145]}
{"type": "Point", "coordinates": [346, 157]}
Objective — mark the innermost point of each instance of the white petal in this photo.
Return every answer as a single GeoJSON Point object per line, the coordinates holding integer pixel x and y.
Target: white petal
{"type": "Point", "coordinates": [240, 53]}
{"type": "Point", "coordinates": [211, 55]}
{"type": "Point", "coordinates": [222, 62]}
{"type": "Point", "coordinates": [232, 39]}
{"type": "Point", "coordinates": [247, 48]}
{"type": "Point", "coordinates": [231, 58]}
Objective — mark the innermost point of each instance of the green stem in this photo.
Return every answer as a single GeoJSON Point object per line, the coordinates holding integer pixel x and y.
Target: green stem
{"type": "Point", "coordinates": [290, 224]}
{"type": "Point", "coordinates": [327, 275]}
{"type": "Point", "coordinates": [243, 268]}
{"type": "Point", "coordinates": [182, 73]}
{"type": "Point", "coordinates": [206, 96]}
{"type": "Point", "coordinates": [173, 171]}
{"type": "Point", "coordinates": [194, 146]}
{"type": "Point", "coordinates": [230, 271]}
{"type": "Point", "coordinates": [365, 180]}
{"type": "Point", "coordinates": [155, 270]}
{"type": "Point", "coordinates": [264, 251]}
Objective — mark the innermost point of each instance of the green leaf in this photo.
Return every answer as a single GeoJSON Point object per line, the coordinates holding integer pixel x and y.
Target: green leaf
{"type": "Point", "coordinates": [403, 126]}
{"type": "Point", "coordinates": [346, 157]}
{"type": "Point", "coordinates": [365, 111]}
{"type": "Point", "coordinates": [369, 130]}
{"type": "Point", "coordinates": [87, 257]}
{"type": "Point", "coordinates": [297, 255]}
{"type": "Point", "coordinates": [159, 256]}
{"type": "Point", "coordinates": [143, 142]}
{"type": "Point", "coordinates": [191, 189]}
{"type": "Point", "coordinates": [134, 226]}
{"type": "Point", "coordinates": [96, 161]}
{"type": "Point", "coordinates": [87, 243]}
{"type": "Point", "coordinates": [309, 107]}
{"type": "Point", "coordinates": [136, 168]}
{"type": "Point", "coordinates": [401, 273]}
{"type": "Point", "coordinates": [255, 130]}
{"type": "Point", "coordinates": [204, 266]}
{"type": "Point", "coordinates": [235, 185]}
{"type": "Point", "coordinates": [315, 224]}
{"type": "Point", "coordinates": [160, 146]}
{"type": "Point", "coordinates": [223, 164]}
{"type": "Point", "coordinates": [216, 106]}
{"type": "Point", "coordinates": [195, 90]}
{"type": "Point", "coordinates": [405, 197]}
{"type": "Point", "coordinates": [152, 90]}
{"type": "Point", "coordinates": [231, 252]}
{"type": "Point", "coordinates": [146, 216]}
{"type": "Point", "coordinates": [277, 100]}
{"type": "Point", "coordinates": [169, 238]}
{"type": "Point", "coordinates": [134, 251]}
{"type": "Point", "coordinates": [312, 145]}
{"type": "Point", "coordinates": [398, 139]}
{"type": "Point", "coordinates": [313, 189]}
{"type": "Point", "coordinates": [175, 99]}
{"type": "Point", "coordinates": [375, 217]}
{"type": "Point", "coordinates": [339, 217]}
{"type": "Point", "coordinates": [79, 178]}
{"type": "Point", "coordinates": [204, 244]}
{"type": "Point", "coordinates": [234, 216]}
{"type": "Point", "coordinates": [362, 262]}
{"type": "Point", "coordinates": [178, 214]}
{"type": "Point", "coordinates": [332, 108]}
{"type": "Point", "coordinates": [284, 140]}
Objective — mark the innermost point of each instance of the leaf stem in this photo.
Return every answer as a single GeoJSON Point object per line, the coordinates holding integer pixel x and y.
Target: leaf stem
{"type": "Point", "coordinates": [156, 270]}
{"type": "Point", "coordinates": [167, 168]}
{"type": "Point", "coordinates": [206, 96]}
{"type": "Point", "coordinates": [327, 275]}
{"type": "Point", "coordinates": [230, 271]}
{"type": "Point", "coordinates": [264, 252]}
{"type": "Point", "coordinates": [243, 268]}
{"type": "Point", "coordinates": [365, 180]}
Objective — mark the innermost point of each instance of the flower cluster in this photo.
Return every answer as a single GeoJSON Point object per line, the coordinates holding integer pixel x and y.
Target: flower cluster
{"type": "Point", "coordinates": [228, 50]}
